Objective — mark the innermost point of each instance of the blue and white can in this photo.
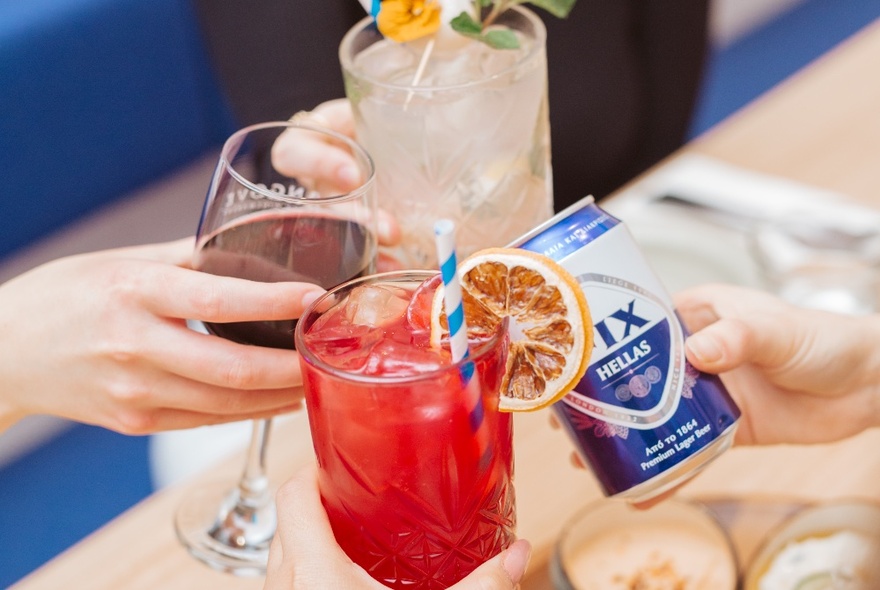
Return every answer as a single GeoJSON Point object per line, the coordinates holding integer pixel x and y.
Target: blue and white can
{"type": "Point", "coordinates": [642, 417]}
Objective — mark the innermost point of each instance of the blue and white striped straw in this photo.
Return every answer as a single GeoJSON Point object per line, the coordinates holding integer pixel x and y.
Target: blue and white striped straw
{"type": "Point", "coordinates": [444, 234]}
{"type": "Point", "coordinates": [371, 6]}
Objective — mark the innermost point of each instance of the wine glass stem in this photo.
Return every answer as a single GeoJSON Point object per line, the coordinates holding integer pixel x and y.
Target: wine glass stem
{"type": "Point", "coordinates": [254, 485]}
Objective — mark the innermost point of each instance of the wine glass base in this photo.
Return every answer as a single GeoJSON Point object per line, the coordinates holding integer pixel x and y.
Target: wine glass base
{"type": "Point", "coordinates": [223, 532]}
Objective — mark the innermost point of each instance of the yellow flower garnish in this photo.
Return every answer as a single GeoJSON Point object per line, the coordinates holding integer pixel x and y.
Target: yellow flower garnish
{"type": "Point", "coordinates": [406, 20]}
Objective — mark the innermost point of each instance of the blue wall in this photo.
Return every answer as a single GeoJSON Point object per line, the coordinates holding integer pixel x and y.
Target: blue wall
{"type": "Point", "coordinates": [97, 97]}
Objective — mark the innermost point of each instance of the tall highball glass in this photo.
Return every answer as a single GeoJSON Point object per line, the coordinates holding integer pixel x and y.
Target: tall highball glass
{"type": "Point", "coordinates": [458, 130]}
{"type": "Point", "coordinates": [415, 459]}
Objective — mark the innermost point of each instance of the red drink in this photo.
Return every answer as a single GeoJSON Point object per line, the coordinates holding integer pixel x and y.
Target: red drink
{"type": "Point", "coordinates": [417, 485]}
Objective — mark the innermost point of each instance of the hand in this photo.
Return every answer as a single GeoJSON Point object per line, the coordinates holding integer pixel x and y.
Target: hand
{"type": "Point", "coordinates": [799, 376]}
{"type": "Point", "coordinates": [101, 338]}
{"type": "Point", "coordinates": [320, 158]}
{"type": "Point", "coordinates": [304, 554]}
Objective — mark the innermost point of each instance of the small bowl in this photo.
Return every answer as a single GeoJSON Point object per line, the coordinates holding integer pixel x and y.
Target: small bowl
{"type": "Point", "coordinates": [824, 547]}
{"type": "Point", "coordinates": [610, 545]}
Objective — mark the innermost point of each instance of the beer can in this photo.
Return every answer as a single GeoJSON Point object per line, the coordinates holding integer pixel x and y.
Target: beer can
{"type": "Point", "coordinates": [642, 418]}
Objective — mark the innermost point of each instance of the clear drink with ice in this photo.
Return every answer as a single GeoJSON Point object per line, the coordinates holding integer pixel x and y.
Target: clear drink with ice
{"type": "Point", "coordinates": [468, 141]}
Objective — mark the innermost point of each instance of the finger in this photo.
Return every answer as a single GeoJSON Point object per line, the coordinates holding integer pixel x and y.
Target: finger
{"type": "Point", "coordinates": [278, 573]}
{"type": "Point", "coordinates": [386, 263]}
{"type": "Point", "coordinates": [303, 526]}
{"type": "Point", "coordinates": [338, 115]}
{"type": "Point", "coordinates": [140, 422]}
{"type": "Point", "coordinates": [696, 316]}
{"type": "Point", "coordinates": [719, 347]}
{"type": "Point", "coordinates": [389, 230]}
{"type": "Point", "coordinates": [576, 460]}
{"type": "Point", "coordinates": [765, 340]}
{"type": "Point", "coordinates": [302, 518]}
{"type": "Point", "coordinates": [703, 305]}
{"type": "Point", "coordinates": [696, 306]}
{"type": "Point", "coordinates": [732, 325]}
{"type": "Point", "coordinates": [212, 298]}
{"type": "Point", "coordinates": [177, 393]}
{"type": "Point", "coordinates": [216, 361]}
{"type": "Point", "coordinates": [505, 570]}
{"type": "Point", "coordinates": [300, 153]}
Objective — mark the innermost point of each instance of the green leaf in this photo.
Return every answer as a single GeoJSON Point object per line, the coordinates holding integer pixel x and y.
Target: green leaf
{"type": "Point", "coordinates": [466, 25]}
{"type": "Point", "coordinates": [484, 3]}
{"type": "Point", "coordinates": [497, 38]}
{"type": "Point", "coordinates": [559, 8]}
{"type": "Point", "coordinates": [501, 39]}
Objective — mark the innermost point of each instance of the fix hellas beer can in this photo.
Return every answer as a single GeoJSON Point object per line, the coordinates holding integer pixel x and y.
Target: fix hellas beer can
{"type": "Point", "coordinates": [642, 418]}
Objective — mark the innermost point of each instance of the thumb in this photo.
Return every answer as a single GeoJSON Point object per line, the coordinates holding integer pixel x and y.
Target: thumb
{"type": "Point", "coordinates": [732, 342]}
{"type": "Point", "coordinates": [505, 571]}
{"type": "Point", "coordinates": [718, 347]}
{"type": "Point", "coordinates": [303, 527]}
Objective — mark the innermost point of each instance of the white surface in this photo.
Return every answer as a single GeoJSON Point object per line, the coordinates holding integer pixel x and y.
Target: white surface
{"type": "Point", "coordinates": [180, 454]}
{"type": "Point", "coordinates": [687, 249]}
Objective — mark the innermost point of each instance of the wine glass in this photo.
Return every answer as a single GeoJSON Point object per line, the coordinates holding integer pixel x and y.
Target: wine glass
{"type": "Point", "coordinates": [262, 224]}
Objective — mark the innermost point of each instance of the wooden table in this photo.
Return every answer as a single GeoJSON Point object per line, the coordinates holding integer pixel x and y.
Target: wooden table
{"type": "Point", "coordinates": [820, 127]}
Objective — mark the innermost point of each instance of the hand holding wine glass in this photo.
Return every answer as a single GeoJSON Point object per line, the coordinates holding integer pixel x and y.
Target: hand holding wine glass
{"type": "Point", "coordinates": [262, 224]}
{"type": "Point", "coordinates": [105, 342]}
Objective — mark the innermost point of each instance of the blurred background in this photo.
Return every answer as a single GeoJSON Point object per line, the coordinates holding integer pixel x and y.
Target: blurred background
{"type": "Point", "coordinates": [100, 149]}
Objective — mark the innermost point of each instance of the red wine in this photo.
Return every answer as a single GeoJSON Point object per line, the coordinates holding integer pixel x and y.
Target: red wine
{"type": "Point", "coordinates": [284, 246]}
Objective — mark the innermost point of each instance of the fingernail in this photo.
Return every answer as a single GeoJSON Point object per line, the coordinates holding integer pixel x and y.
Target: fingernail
{"type": "Point", "coordinates": [349, 174]}
{"type": "Point", "coordinates": [310, 297]}
{"type": "Point", "coordinates": [516, 560]}
{"type": "Point", "coordinates": [704, 347]}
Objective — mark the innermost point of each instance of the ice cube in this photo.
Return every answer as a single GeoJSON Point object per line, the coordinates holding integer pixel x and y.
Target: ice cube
{"type": "Point", "coordinates": [388, 61]}
{"type": "Point", "coordinates": [342, 345]}
{"type": "Point", "coordinates": [376, 305]}
{"type": "Point", "coordinates": [390, 358]}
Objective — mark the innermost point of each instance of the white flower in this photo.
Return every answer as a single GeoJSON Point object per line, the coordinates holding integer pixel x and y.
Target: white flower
{"type": "Point", "coordinates": [452, 8]}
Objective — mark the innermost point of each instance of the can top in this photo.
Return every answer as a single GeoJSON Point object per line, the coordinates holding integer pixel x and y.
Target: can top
{"type": "Point", "coordinates": [569, 230]}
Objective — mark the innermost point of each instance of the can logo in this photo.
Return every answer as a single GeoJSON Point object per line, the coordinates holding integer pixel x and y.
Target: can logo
{"type": "Point", "coordinates": [637, 365]}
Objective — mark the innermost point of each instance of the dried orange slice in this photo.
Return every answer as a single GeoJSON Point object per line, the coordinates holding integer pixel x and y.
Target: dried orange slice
{"type": "Point", "coordinates": [551, 333]}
